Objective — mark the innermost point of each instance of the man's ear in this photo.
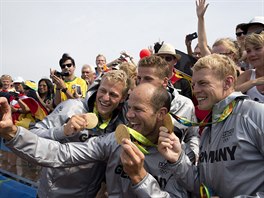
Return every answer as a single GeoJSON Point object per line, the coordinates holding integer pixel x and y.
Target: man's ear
{"type": "Point", "coordinates": [161, 113]}
{"type": "Point", "coordinates": [229, 82]}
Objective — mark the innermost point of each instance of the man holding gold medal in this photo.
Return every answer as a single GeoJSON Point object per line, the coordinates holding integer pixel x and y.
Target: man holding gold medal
{"type": "Point", "coordinates": [129, 172]}
{"type": "Point", "coordinates": [231, 161]}
{"type": "Point", "coordinates": [103, 103]}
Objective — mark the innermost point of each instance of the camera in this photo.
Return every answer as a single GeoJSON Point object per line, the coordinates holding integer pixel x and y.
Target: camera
{"type": "Point", "coordinates": [192, 36]}
{"type": "Point", "coordinates": [60, 74]}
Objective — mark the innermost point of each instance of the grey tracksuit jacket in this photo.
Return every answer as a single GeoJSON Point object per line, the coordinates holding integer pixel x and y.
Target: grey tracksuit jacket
{"type": "Point", "coordinates": [183, 107]}
{"type": "Point", "coordinates": [79, 181]}
{"type": "Point", "coordinates": [231, 152]}
{"type": "Point", "coordinates": [159, 182]}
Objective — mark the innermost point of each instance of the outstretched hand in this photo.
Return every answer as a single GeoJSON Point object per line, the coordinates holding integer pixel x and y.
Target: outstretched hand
{"type": "Point", "coordinates": [169, 145]}
{"type": "Point", "coordinates": [201, 8]}
{"type": "Point", "coordinates": [188, 42]}
{"type": "Point", "coordinates": [133, 161]}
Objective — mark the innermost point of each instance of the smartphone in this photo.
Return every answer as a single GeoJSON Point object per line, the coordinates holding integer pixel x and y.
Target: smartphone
{"type": "Point", "coordinates": [78, 89]}
{"type": "Point", "coordinates": [192, 36]}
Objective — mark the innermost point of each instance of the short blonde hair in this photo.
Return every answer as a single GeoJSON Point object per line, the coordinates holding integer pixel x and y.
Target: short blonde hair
{"type": "Point", "coordinates": [6, 77]}
{"type": "Point", "coordinates": [255, 40]}
{"type": "Point", "coordinates": [117, 76]}
{"type": "Point", "coordinates": [221, 65]}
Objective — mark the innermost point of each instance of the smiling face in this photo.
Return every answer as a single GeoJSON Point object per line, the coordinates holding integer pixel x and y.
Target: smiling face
{"type": "Point", "coordinates": [6, 81]}
{"type": "Point", "coordinates": [254, 45]}
{"type": "Point", "coordinates": [42, 87]}
{"type": "Point", "coordinates": [141, 115]}
{"type": "Point", "coordinates": [213, 79]}
{"type": "Point", "coordinates": [207, 88]}
{"type": "Point", "coordinates": [255, 55]}
{"type": "Point", "coordinates": [108, 97]}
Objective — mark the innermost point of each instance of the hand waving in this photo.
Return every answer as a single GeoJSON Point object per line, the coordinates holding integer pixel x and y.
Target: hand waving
{"type": "Point", "coordinates": [201, 8]}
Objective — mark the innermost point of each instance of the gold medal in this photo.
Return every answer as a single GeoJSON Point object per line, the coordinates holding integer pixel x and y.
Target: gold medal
{"type": "Point", "coordinates": [121, 132]}
{"type": "Point", "coordinates": [168, 123]}
{"type": "Point", "coordinates": [92, 120]}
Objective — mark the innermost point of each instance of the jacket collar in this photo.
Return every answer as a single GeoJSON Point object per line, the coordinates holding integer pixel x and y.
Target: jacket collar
{"type": "Point", "coordinates": [219, 107]}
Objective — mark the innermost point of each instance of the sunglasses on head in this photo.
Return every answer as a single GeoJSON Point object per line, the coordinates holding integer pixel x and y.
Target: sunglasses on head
{"type": "Point", "coordinates": [238, 34]}
{"type": "Point", "coordinates": [66, 65]}
{"type": "Point", "coordinates": [259, 31]}
{"type": "Point", "coordinates": [256, 32]}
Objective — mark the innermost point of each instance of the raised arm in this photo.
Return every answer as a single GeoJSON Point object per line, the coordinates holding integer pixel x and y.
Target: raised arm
{"type": "Point", "coordinates": [188, 44]}
{"type": "Point", "coordinates": [201, 8]}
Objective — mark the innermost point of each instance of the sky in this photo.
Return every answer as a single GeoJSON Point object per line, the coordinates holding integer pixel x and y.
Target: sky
{"type": "Point", "coordinates": [34, 34]}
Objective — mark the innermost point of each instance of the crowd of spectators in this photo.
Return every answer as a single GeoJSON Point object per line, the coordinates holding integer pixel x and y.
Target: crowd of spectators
{"type": "Point", "coordinates": [54, 108]}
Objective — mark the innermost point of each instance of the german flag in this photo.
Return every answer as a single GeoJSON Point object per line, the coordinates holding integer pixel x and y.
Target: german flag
{"type": "Point", "coordinates": [37, 112]}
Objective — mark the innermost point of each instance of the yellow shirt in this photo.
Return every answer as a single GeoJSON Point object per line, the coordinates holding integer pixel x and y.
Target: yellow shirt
{"type": "Point", "coordinates": [71, 87]}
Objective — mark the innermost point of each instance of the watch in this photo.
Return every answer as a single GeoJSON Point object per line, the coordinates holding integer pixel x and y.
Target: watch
{"type": "Point", "coordinates": [64, 90]}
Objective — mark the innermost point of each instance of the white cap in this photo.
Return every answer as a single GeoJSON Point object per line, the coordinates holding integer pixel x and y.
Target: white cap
{"type": "Point", "coordinates": [18, 80]}
{"type": "Point", "coordinates": [255, 20]}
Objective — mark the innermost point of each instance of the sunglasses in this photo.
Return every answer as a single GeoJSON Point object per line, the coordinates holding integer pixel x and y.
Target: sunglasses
{"type": "Point", "coordinates": [167, 58]}
{"type": "Point", "coordinates": [238, 34]}
{"type": "Point", "coordinates": [66, 65]}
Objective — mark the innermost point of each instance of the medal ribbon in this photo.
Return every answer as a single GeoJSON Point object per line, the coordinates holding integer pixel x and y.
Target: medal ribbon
{"type": "Point", "coordinates": [105, 123]}
{"type": "Point", "coordinates": [141, 140]}
{"type": "Point", "coordinates": [204, 192]}
{"type": "Point", "coordinates": [227, 111]}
